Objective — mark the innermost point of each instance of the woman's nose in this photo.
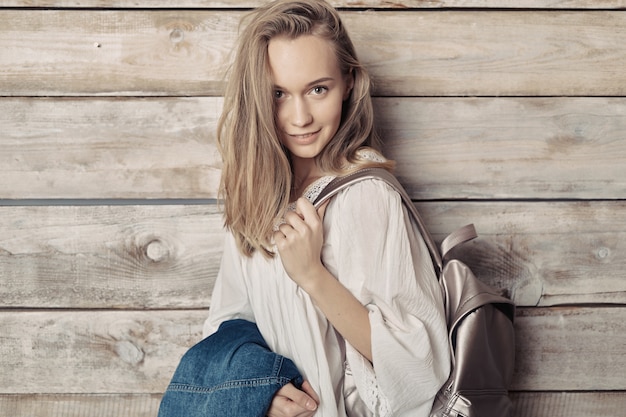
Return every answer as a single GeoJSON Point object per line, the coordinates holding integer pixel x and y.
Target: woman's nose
{"type": "Point", "coordinates": [301, 113]}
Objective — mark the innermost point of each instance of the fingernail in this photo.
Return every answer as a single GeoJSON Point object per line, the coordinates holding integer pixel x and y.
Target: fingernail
{"type": "Point", "coordinates": [311, 405]}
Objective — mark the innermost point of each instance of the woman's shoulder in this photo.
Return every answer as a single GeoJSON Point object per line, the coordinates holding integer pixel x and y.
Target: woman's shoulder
{"type": "Point", "coordinates": [367, 190]}
{"type": "Point", "coordinates": [368, 199]}
{"type": "Point", "coordinates": [373, 190]}
{"type": "Point", "coordinates": [369, 210]}
{"type": "Point", "coordinates": [372, 187]}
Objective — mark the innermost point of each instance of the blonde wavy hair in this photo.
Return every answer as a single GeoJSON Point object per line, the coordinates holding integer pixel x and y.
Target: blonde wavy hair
{"type": "Point", "coordinates": [257, 175]}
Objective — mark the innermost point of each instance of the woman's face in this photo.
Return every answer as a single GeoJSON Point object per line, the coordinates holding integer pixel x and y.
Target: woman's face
{"type": "Point", "coordinates": [309, 90]}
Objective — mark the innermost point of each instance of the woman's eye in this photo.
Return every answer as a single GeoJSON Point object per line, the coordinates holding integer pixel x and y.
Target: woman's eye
{"type": "Point", "coordinates": [319, 90]}
{"type": "Point", "coordinates": [278, 94]}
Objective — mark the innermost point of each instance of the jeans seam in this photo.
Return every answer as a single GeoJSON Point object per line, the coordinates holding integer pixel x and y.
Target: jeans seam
{"type": "Point", "coordinates": [244, 383]}
{"type": "Point", "coordinates": [278, 363]}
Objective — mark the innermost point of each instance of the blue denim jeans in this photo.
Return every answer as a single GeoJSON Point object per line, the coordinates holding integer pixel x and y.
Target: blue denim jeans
{"type": "Point", "coordinates": [230, 373]}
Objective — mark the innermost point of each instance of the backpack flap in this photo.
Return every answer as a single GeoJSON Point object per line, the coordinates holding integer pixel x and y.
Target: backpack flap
{"type": "Point", "coordinates": [464, 293]}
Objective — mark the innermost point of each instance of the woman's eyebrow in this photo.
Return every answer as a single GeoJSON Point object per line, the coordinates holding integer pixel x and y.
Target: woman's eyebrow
{"type": "Point", "coordinates": [320, 81]}
{"type": "Point", "coordinates": [309, 85]}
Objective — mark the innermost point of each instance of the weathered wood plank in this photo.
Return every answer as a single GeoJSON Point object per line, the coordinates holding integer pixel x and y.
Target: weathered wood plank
{"type": "Point", "coordinates": [167, 256]}
{"type": "Point", "coordinates": [78, 52]}
{"type": "Point", "coordinates": [570, 348]}
{"type": "Point", "coordinates": [80, 405]}
{"type": "Point", "coordinates": [526, 404]}
{"type": "Point", "coordinates": [122, 352]}
{"type": "Point", "coordinates": [165, 147]}
{"type": "Point", "coordinates": [60, 52]}
{"type": "Point", "coordinates": [82, 148]}
{"type": "Point", "coordinates": [507, 148]}
{"type": "Point", "coordinates": [131, 352]}
{"type": "Point", "coordinates": [109, 257]}
{"type": "Point", "coordinates": [410, 4]}
{"type": "Point", "coordinates": [466, 58]}
{"type": "Point", "coordinates": [568, 404]}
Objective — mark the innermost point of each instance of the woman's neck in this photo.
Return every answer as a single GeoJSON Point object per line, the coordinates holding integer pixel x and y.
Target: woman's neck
{"type": "Point", "coordinates": [305, 173]}
{"type": "Point", "coordinates": [300, 185]}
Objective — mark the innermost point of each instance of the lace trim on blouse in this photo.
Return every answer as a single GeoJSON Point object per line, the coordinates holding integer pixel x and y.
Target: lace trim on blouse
{"type": "Point", "coordinates": [370, 155]}
{"type": "Point", "coordinates": [366, 382]}
{"type": "Point", "coordinates": [310, 193]}
{"type": "Point", "coordinates": [313, 190]}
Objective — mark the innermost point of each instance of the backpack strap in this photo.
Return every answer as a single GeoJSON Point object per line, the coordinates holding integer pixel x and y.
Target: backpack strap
{"type": "Point", "coordinates": [462, 235]}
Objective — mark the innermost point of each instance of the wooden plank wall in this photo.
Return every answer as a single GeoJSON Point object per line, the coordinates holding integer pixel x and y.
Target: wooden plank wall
{"type": "Point", "coordinates": [508, 114]}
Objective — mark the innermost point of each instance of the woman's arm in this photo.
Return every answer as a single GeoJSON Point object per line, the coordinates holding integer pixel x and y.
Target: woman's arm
{"type": "Point", "coordinates": [376, 251]}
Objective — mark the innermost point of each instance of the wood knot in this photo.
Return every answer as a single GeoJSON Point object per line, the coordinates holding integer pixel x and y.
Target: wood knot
{"type": "Point", "coordinates": [603, 253]}
{"type": "Point", "coordinates": [157, 251]}
{"type": "Point", "coordinates": [129, 352]}
{"type": "Point", "coordinates": [177, 35]}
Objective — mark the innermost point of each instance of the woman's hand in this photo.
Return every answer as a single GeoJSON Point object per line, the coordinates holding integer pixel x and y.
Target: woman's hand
{"type": "Point", "coordinates": [299, 242]}
{"type": "Point", "coordinates": [289, 401]}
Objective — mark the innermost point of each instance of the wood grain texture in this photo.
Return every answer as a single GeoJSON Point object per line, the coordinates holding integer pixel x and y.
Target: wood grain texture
{"type": "Point", "coordinates": [65, 53]}
{"type": "Point", "coordinates": [570, 348]}
{"type": "Point", "coordinates": [79, 405]}
{"type": "Point", "coordinates": [109, 256]}
{"type": "Point", "coordinates": [161, 52]}
{"type": "Point", "coordinates": [95, 148]}
{"type": "Point", "coordinates": [123, 352]}
{"type": "Point", "coordinates": [133, 352]}
{"type": "Point", "coordinates": [383, 4]}
{"type": "Point", "coordinates": [507, 148]}
{"type": "Point", "coordinates": [541, 254]}
{"type": "Point", "coordinates": [520, 148]}
{"type": "Point", "coordinates": [568, 404]}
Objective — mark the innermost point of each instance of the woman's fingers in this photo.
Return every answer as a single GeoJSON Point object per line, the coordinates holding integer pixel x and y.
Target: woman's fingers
{"type": "Point", "coordinates": [299, 397]}
{"type": "Point", "coordinates": [299, 242]}
{"type": "Point", "coordinates": [308, 389]}
{"type": "Point", "coordinates": [305, 214]}
{"type": "Point", "coordinates": [298, 224]}
{"type": "Point", "coordinates": [295, 220]}
{"type": "Point", "coordinates": [306, 210]}
{"type": "Point", "coordinates": [289, 401]}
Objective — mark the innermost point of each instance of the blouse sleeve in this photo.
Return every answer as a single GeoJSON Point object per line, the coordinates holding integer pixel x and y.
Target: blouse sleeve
{"type": "Point", "coordinates": [382, 259]}
{"type": "Point", "coordinates": [230, 294]}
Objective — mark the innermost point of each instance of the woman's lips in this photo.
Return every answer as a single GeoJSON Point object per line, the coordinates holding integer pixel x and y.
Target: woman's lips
{"type": "Point", "coordinates": [305, 138]}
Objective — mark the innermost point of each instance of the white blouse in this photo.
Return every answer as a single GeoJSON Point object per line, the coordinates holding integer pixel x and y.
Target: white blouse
{"type": "Point", "coordinates": [386, 265]}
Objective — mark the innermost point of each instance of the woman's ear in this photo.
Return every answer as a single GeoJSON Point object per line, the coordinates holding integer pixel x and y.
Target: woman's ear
{"type": "Point", "coordinates": [349, 84]}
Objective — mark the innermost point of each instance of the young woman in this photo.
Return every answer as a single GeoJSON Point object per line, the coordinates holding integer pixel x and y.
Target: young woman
{"type": "Point", "coordinates": [347, 292]}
